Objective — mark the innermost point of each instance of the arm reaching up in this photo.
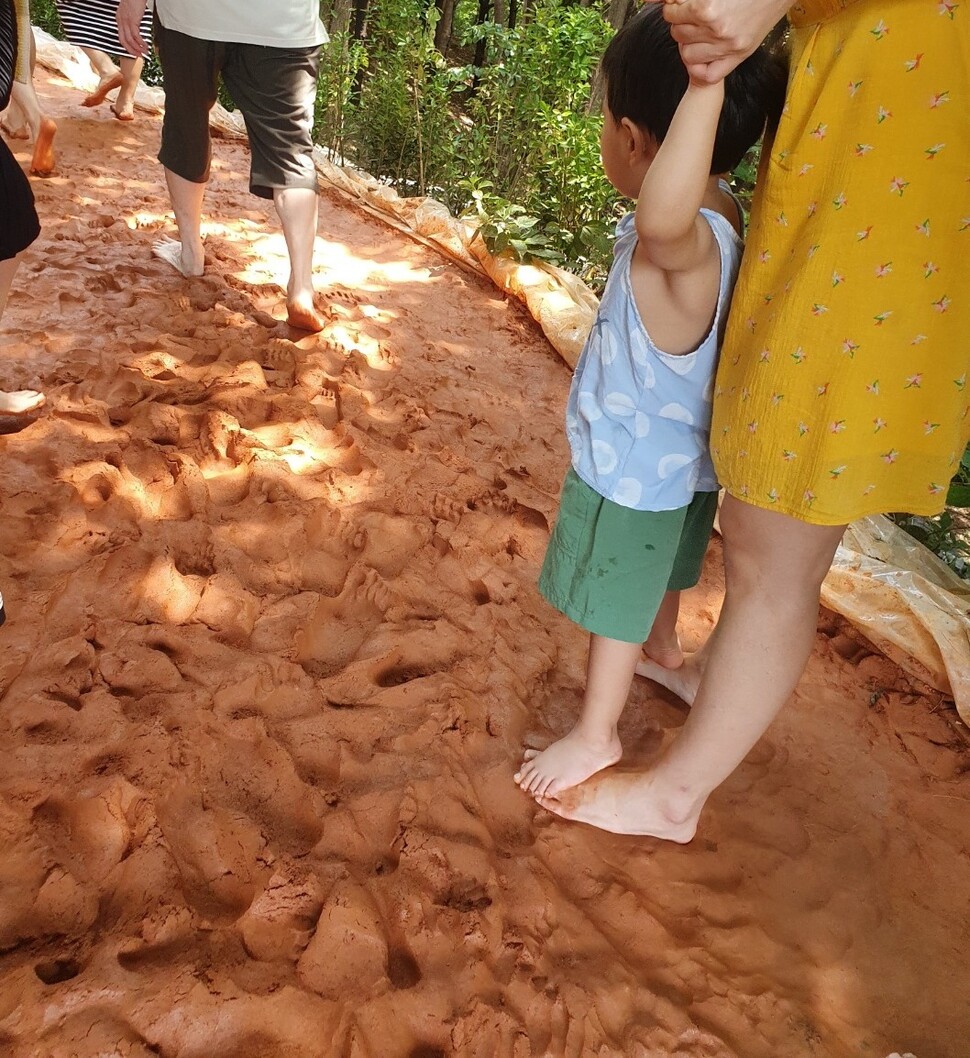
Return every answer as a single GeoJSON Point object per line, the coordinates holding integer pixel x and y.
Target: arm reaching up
{"type": "Point", "coordinates": [671, 233]}
{"type": "Point", "coordinates": [130, 14]}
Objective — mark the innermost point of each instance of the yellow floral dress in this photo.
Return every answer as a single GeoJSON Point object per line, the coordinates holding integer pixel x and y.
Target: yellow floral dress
{"type": "Point", "coordinates": [843, 383]}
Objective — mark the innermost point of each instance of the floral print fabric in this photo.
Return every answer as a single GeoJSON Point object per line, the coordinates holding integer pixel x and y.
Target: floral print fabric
{"type": "Point", "coordinates": [843, 384]}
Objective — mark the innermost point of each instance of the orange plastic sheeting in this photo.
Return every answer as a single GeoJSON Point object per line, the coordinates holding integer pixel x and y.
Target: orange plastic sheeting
{"type": "Point", "coordinates": [910, 605]}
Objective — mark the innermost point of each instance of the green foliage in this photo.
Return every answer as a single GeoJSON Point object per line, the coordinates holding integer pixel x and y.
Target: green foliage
{"type": "Point", "coordinates": [945, 535]}
{"type": "Point", "coordinates": [515, 129]}
{"type": "Point", "coordinates": [43, 13]}
{"type": "Point", "coordinates": [959, 494]}
{"type": "Point", "coordinates": [942, 536]}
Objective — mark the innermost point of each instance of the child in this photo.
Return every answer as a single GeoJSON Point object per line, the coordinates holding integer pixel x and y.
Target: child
{"type": "Point", "coordinates": [638, 504]}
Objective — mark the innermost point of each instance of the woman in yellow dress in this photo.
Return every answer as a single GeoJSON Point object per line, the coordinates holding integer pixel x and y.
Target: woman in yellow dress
{"type": "Point", "coordinates": [842, 388]}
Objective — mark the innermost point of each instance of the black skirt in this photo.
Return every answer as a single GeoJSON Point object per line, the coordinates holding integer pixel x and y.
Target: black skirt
{"type": "Point", "coordinates": [18, 217]}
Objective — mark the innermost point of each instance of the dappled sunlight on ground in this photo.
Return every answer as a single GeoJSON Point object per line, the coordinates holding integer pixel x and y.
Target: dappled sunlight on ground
{"type": "Point", "coordinates": [274, 647]}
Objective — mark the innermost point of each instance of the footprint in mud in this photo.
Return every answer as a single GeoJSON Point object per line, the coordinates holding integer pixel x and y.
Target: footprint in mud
{"type": "Point", "coordinates": [102, 1033]}
{"type": "Point", "coordinates": [280, 921]}
{"type": "Point", "coordinates": [339, 627]}
{"type": "Point", "coordinates": [348, 953]}
{"type": "Point", "coordinates": [371, 358]}
{"type": "Point", "coordinates": [279, 355]}
{"type": "Point", "coordinates": [342, 301]}
{"type": "Point", "coordinates": [327, 404]}
{"type": "Point", "coordinates": [62, 673]}
{"type": "Point", "coordinates": [318, 371]}
{"type": "Point", "coordinates": [218, 852]}
{"type": "Point", "coordinates": [220, 438]}
{"type": "Point", "coordinates": [92, 834]}
{"type": "Point", "coordinates": [333, 545]}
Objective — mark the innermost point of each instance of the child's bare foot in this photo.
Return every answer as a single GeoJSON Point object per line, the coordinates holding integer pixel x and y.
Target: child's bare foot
{"type": "Point", "coordinates": [42, 162]}
{"type": "Point", "coordinates": [123, 113]}
{"type": "Point", "coordinates": [105, 85]}
{"type": "Point", "coordinates": [566, 763]}
{"type": "Point", "coordinates": [626, 804]}
{"type": "Point", "coordinates": [20, 401]}
{"type": "Point", "coordinates": [669, 655]}
{"type": "Point", "coordinates": [172, 252]}
{"type": "Point", "coordinates": [302, 314]}
{"type": "Point", "coordinates": [682, 680]}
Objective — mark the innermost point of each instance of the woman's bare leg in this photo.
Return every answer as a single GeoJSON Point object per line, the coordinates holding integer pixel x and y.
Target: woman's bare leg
{"type": "Point", "coordinates": [774, 567]}
{"type": "Point", "coordinates": [109, 77]}
{"type": "Point", "coordinates": [123, 107]}
{"type": "Point", "coordinates": [23, 400]}
{"type": "Point", "coordinates": [41, 127]}
{"type": "Point", "coordinates": [8, 269]}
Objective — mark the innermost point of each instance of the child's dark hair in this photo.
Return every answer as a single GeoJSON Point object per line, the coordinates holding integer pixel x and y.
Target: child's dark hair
{"type": "Point", "coordinates": [646, 80]}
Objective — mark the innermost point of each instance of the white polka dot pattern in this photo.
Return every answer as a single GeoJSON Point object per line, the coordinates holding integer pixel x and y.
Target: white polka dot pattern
{"type": "Point", "coordinates": [638, 418]}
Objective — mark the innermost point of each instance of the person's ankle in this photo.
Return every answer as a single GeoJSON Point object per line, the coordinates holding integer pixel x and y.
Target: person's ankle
{"type": "Point", "coordinates": [679, 802]}
{"type": "Point", "coordinates": [596, 736]}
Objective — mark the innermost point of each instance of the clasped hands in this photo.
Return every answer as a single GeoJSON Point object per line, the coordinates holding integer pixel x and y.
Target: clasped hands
{"type": "Point", "coordinates": [716, 35]}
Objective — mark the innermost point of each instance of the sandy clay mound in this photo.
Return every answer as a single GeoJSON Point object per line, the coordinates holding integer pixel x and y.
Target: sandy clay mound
{"type": "Point", "coordinates": [274, 647]}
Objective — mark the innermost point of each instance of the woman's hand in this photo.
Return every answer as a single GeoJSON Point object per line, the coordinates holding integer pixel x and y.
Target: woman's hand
{"type": "Point", "coordinates": [716, 35]}
{"type": "Point", "coordinates": [130, 14]}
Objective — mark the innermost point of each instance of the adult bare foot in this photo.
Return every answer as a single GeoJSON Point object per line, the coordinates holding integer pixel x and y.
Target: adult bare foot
{"type": "Point", "coordinates": [625, 803]}
{"type": "Point", "coordinates": [682, 681]}
{"type": "Point", "coordinates": [304, 316]}
{"type": "Point", "coordinates": [123, 114]}
{"type": "Point", "coordinates": [42, 162]}
{"type": "Point", "coordinates": [105, 85]}
{"type": "Point", "coordinates": [21, 402]}
{"type": "Point", "coordinates": [566, 763]}
{"type": "Point", "coordinates": [15, 131]}
{"type": "Point", "coordinates": [172, 252]}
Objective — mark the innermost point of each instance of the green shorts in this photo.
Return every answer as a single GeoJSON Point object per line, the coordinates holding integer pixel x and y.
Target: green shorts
{"type": "Point", "coordinates": [607, 567]}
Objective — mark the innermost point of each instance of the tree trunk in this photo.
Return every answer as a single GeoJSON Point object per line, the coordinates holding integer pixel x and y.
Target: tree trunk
{"type": "Point", "coordinates": [337, 18]}
{"type": "Point", "coordinates": [501, 16]}
{"type": "Point", "coordinates": [442, 33]}
{"type": "Point", "coordinates": [484, 6]}
{"type": "Point", "coordinates": [359, 21]}
{"type": "Point", "coordinates": [618, 13]}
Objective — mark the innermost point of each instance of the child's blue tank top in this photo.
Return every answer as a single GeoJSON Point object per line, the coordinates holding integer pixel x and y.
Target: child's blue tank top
{"type": "Point", "coordinates": [639, 419]}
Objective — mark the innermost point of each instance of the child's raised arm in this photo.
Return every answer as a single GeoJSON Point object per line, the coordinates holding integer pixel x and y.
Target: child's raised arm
{"type": "Point", "coordinates": [671, 232]}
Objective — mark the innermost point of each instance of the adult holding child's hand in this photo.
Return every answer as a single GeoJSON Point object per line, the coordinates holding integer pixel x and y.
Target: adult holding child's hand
{"type": "Point", "coordinates": [843, 387]}
{"type": "Point", "coordinates": [716, 35]}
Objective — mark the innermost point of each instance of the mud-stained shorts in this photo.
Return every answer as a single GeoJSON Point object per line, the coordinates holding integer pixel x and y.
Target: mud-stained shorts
{"type": "Point", "coordinates": [274, 89]}
{"type": "Point", "coordinates": [607, 567]}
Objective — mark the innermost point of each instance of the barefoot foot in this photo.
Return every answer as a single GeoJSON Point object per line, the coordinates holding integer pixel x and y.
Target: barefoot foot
{"type": "Point", "coordinates": [15, 132]}
{"type": "Point", "coordinates": [566, 763]}
{"type": "Point", "coordinates": [682, 681]}
{"type": "Point", "coordinates": [42, 162]}
{"type": "Point", "coordinates": [304, 316]}
{"type": "Point", "coordinates": [625, 804]}
{"type": "Point", "coordinates": [21, 402]}
{"type": "Point", "coordinates": [105, 85]}
{"type": "Point", "coordinates": [172, 252]}
{"type": "Point", "coordinates": [123, 114]}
